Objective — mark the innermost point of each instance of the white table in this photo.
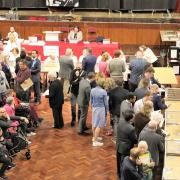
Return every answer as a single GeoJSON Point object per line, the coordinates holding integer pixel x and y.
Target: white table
{"type": "Point", "coordinates": [52, 35]}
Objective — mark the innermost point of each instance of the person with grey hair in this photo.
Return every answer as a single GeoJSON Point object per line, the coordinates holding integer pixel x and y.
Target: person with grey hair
{"type": "Point", "coordinates": [155, 142]}
{"type": "Point", "coordinates": [56, 99]}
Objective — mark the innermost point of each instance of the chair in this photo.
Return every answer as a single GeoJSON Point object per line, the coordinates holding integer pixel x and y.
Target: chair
{"type": "Point", "coordinates": [42, 19]}
{"type": "Point", "coordinates": [92, 34]}
{"type": "Point", "coordinates": [33, 18]}
{"type": "Point", "coordinates": [65, 31]}
{"type": "Point", "coordinates": [39, 36]}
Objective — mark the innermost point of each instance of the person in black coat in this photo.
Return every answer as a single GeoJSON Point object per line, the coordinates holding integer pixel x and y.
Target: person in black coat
{"type": "Point", "coordinates": [76, 75]}
{"type": "Point", "coordinates": [56, 99]}
{"type": "Point", "coordinates": [126, 138]}
{"type": "Point", "coordinates": [116, 96]}
{"type": "Point", "coordinates": [131, 168]}
{"type": "Point", "coordinates": [89, 61]}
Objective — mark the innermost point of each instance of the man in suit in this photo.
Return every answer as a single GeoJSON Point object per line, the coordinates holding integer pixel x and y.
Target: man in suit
{"type": "Point", "coordinates": [155, 142]}
{"type": "Point", "coordinates": [56, 99]}
{"type": "Point", "coordinates": [136, 66]}
{"type": "Point", "coordinates": [127, 104]}
{"type": "Point", "coordinates": [89, 61]}
{"type": "Point", "coordinates": [126, 138]}
{"type": "Point", "coordinates": [35, 75]}
{"type": "Point", "coordinates": [83, 101]}
{"type": "Point", "coordinates": [66, 67]}
{"type": "Point", "coordinates": [116, 96]}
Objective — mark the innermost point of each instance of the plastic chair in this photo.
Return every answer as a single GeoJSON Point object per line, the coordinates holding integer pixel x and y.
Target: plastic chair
{"type": "Point", "coordinates": [65, 31]}
{"type": "Point", "coordinates": [92, 34]}
{"type": "Point", "coordinates": [33, 18]}
{"type": "Point", "coordinates": [42, 19]}
{"type": "Point", "coordinates": [39, 36]}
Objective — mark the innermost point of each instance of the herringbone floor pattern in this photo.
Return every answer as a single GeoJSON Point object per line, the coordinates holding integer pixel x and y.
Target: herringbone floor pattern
{"type": "Point", "coordinates": [64, 155]}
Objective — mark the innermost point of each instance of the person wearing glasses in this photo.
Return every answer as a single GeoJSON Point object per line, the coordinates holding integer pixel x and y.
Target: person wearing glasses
{"type": "Point", "coordinates": [75, 35]}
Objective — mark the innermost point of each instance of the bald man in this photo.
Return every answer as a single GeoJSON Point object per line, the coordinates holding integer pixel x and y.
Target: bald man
{"type": "Point", "coordinates": [155, 142]}
{"type": "Point", "coordinates": [137, 68]}
{"type": "Point", "coordinates": [12, 31]}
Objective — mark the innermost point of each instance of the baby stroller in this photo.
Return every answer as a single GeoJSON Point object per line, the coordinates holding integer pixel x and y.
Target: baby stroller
{"type": "Point", "coordinates": [19, 140]}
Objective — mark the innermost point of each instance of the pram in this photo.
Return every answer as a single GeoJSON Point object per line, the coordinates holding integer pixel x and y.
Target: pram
{"type": "Point", "coordinates": [20, 142]}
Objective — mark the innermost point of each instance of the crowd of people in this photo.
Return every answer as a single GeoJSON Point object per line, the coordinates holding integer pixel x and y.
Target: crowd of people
{"type": "Point", "coordinates": [18, 117]}
{"type": "Point", "coordinates": [134, 103]}
{"type": "Point", "coordinates": [136, 108]}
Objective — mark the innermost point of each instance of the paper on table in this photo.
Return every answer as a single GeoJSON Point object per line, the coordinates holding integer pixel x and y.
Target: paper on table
{"type": "Point", "coordinates": [173, 53]}
{"type": "Point", "coordinates": [176, 69]}
{"type": "Point", "coordinates": [27, 85]}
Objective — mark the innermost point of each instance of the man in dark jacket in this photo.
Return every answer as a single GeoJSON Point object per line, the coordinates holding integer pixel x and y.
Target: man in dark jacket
{"type": "Point", "coordinates": [116, 96]}
{"type": "Point", "coordinates": [126, 138]}
{"type": "Point", "coordinates": [56, 99]}
{"type": "Point", "coordinates": [89, 61]}
{"type": "Point", "coordinates": [131, 169]}
{"type": "Point", "coordinates": [155, 142]}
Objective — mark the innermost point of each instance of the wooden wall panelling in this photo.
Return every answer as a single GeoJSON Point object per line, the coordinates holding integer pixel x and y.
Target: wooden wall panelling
{"type": "Point", "coordinates": [124, 33]}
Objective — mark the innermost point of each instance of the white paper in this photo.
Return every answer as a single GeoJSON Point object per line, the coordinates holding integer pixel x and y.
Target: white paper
{"type": "Point", "coordinates": [176, 69]}
{"type": "Point", "coordinates": [48, 50]}
{"type": "Point", "coordinates": [173, 53]}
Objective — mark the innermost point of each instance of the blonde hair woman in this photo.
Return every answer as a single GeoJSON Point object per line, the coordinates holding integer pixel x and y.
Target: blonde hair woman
{"type": "Point", "coordinates": [143, 117]}
{"type": "Point", "coordinates": [104, 63]}
{"type": "Point", "coordinates": [158, 102]}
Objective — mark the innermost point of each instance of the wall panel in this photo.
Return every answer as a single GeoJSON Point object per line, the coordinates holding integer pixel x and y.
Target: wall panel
{"type": "Point", "coordinates": [124, 33]}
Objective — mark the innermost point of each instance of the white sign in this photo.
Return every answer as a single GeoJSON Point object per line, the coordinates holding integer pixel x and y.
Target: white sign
{"type": "Point", "coordinates": [51, 50]}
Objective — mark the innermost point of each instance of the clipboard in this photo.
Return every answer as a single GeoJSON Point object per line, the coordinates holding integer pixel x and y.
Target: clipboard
{"type": "Point", "coordinates": [27, 85]}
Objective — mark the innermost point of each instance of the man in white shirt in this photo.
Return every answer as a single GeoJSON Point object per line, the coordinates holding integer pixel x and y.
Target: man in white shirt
{"type": "Point", "coordinates": [12, 31]}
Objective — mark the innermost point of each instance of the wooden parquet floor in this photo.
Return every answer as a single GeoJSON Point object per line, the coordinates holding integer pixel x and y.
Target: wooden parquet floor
{"type": "Point", "coordinates": [64, 155]}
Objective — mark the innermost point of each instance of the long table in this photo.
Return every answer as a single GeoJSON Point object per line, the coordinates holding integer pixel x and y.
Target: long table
{"type": "Point", "coordinates": [172, 143]}
{"type": "Point", "coordinates": [97, 48]}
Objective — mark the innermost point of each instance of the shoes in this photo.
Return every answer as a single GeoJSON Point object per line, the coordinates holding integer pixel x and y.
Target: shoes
{"type": "Point", "coordinates": [83, 133]}
{"type": "Point", "coordinates": [98, 139]}
{"type": "Point", "coordinates": [3, 177]}
{"type": "Point", "coordinates": [86, 128]}
{"type": "Point", "coordinates": [97, 144]}
{"type": "Point", "coordinates": [73, 123]}
{"type": "Point", "coordinates": [113, 140]}
{"type": "Point", "coordinates": [57, 127]}
{"type": "Point", "coordinates": [31, 134]}
{"type": "Point", "coordinates": [37, 103]}
{"type": "Point", "coordinates": [11, 166]}
{"type": "Point", "coordinates": [40, 120]}
{"type": "Point", "coordinates": [29, 142]}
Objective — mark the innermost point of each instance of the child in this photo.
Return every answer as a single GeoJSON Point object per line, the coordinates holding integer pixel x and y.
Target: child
{"type": "Point", "coordinates": [145, 158]}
